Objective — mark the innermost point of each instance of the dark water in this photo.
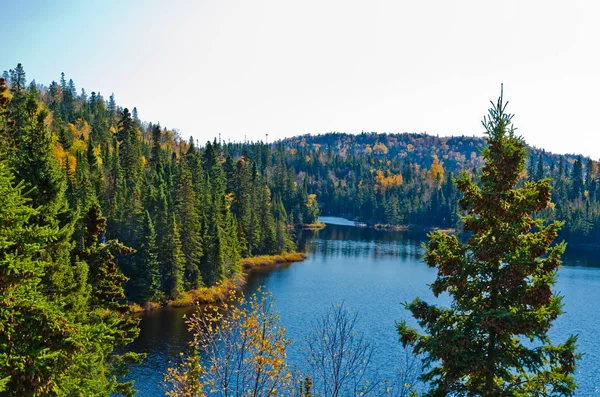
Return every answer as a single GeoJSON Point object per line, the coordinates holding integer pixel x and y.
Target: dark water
{"type": "Point", "coordinates": [371, 272]}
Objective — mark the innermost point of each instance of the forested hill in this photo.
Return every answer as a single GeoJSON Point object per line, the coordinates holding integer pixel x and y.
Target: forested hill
{"type": "Point", "coordinates": [98, 207]}
{"type": "Point", "coordinates": [456, 152]}
{"type": "Point", "coordinates": [406, 179]}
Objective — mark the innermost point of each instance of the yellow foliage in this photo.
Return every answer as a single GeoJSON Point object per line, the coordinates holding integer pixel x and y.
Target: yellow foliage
{"type": "Point", "coordinates": [436, 171]}
{"type": "Point", "coordinates": [61, 155]}
{"type": "Point", "coordinates": [380, 148]}
{"type": "Point", "coordinates": [410, 147]}
{"type": "Point", "coordinates": [307, 159]}
{"type": "Point", "coordinates": [80, 128]}
{"type": "Point", "coordinates": [368, 150]}
{"type": "Point", "coordinates": [312, 199]}
{"type": "Point", "coordinates": [78, 146]}
{"type": "Point", "coordinates": [98, 153]}
{"type": "Point", "coordinates": [243, 334]}
{"type": "Point", "coordinates": [382, 182]}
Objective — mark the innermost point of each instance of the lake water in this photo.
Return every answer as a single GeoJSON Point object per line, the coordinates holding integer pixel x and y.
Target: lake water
{"type": "Point", "coordinates": [372, 272]}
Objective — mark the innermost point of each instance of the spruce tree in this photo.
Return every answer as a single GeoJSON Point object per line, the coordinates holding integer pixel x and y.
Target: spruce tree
{"type": "Point", "coordinates": [37, 342]}
{"type": "Point", "coordinates": [172, 258]}
{"type": "Point", "coordinates": [147, 281]}
{"type": "Point", "coordinates": [577, 185]}
{"type": "Point", "coordinates": [189, 226]}
{"type": "Point", "coordinates": [35, 166]}
{"type": "Point", "coordinates": [213, 262]}
{"type": "Point", "coordinates": [110, 324]}
{"type": "Point", "coordinates": [500, 283]}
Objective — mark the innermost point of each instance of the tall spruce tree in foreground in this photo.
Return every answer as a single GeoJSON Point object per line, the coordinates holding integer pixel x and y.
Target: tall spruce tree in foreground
{"type": "Point", "coordinates": [492, 340]}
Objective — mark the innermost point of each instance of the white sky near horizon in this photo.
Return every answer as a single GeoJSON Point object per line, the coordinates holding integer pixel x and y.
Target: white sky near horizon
{"type": "Point", "coordinates": [284, 68]}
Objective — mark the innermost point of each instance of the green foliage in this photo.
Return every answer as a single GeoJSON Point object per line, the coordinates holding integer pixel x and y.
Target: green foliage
{"type": "Point", "coordinates": [500, 283]}
{"type": "Point", "coordinates": [147, 283]}
{"type": "Point", "coordinates": [36, 340]}
{"type": "Point", "coordinates": [190, 227]}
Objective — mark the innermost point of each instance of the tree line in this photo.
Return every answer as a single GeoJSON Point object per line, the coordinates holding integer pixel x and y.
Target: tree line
{"type": "Point", "coordinates": [408, 179]}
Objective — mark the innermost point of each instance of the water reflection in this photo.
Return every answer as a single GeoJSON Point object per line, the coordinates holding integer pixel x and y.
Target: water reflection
{"type": "Point", "coordinates": [339, 242]}
{"type": "Point", "coordinates": [372, 272]}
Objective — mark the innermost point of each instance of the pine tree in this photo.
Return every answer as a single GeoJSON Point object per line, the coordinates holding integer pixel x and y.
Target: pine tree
{"type": "Point", "coordinates": [213, 262]}
{"type": "Point", "coordinates": [110, 323]}
{"type": "Point", "coordinates": [147, 281]}
{"type": "Point", "coordinates": [577, 186]}
{"type": "Point", "coordinates": [539, 174]}
{"type": "Point", "coordinates": [172, 258]}
{"type": "Point", "coordinates": [500, 285]}
{"type": "Point", "coordinates": [189, 223]}
{"type": "Point", "coordinates": [36, 340]}
{"type": "Point", "coordinates": [36, 167]}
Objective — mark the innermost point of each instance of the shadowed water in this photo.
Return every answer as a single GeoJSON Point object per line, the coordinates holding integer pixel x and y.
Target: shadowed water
{"type": "Point", "coordinates": [372, 272]}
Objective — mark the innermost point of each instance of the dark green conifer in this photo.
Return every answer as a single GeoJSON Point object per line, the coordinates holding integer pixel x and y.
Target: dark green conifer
{"type": "Point", "coordinates": [500, 283]}
{"type": "Point", "coordinates": [189, 226]}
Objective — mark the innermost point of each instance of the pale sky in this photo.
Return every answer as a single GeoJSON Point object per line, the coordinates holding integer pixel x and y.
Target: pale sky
{"type": "Point", "coordinates": [248, 68]}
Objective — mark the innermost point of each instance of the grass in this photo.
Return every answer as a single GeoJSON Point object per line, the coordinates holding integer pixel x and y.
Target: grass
{"type": "Point", "coordinates": [267, 260]}
{"type": "Point", "coordinates": [217, 293]}
{"type": "Point", "coordinates": [220, 292]}
{"type": "Point", "coordinates": [313, 226]}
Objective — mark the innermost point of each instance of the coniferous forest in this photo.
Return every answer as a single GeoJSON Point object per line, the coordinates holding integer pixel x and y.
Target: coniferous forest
{"type": "Point", "coordinates": [408, 179]}
{"type": "Point", "coordinates": [100, 209]}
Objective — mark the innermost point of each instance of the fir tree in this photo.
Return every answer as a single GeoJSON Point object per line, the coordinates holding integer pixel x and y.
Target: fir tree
{"type": "Point", "coordinates": [147, 282]}
{"type": "Point", "coordinates": [577, 186]}
{"type": "Point", "coordinates": [39, 170]}
{"type": "Point", "coordinates": [189, 221]}
{"type": "Point", "coordinates": [500, 285]}
{"type": "Point", "coordinates": [172, 259]}
{"type": "Point", "coordinates": [37, 341]}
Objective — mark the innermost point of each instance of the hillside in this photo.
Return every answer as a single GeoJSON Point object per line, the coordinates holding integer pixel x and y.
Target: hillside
{"type": "Point", "coordinates": [406, 179]}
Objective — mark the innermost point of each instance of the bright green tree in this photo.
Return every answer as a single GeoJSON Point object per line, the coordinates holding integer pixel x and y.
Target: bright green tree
{"type": "Point", "coordinates": [37, 341]}
{"type": "Point", "coordinates": [493, 338]}
{"type": "Point", "coordinates": [98, 369]}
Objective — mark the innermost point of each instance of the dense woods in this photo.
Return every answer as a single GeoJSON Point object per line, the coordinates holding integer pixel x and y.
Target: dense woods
{"type": "Point", "coordinates": [98, 209]}
{"type": "Point", "coordinates": [407, 179]}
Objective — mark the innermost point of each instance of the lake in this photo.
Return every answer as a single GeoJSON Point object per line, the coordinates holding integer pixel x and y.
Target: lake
{"type": "Point", "coordinates": [372, 272]}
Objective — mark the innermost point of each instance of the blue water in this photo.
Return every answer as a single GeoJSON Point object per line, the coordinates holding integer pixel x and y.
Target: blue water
{"type": "Point", "coordinates": [372, 272]}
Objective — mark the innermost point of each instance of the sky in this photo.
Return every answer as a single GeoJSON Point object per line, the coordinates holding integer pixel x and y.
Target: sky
{"type": "Point", "coordinates": [245, 69]}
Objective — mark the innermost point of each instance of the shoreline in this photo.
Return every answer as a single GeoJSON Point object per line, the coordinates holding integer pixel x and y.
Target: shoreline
{"type": "Point", "coordinates": [220, 292]}
{"type": "Point", "coordinates": [312, 226]}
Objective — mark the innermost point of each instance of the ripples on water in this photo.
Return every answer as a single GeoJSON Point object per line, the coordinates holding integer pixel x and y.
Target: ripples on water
{"type": "Point", "coordinates": [372, 272]}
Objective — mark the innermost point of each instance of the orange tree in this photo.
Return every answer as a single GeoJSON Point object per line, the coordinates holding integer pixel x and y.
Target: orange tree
{"type": "Point", "coordinates": [492, 339]}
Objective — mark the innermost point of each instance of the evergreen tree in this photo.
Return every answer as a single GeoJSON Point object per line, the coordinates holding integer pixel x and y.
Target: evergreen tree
{"type": "Point", "coordinates": [35, 165]}
{"type": "Point", "coordinates": [539, 174]}
{"type": "Point", "coordinates": [171, 258]}
{"type": "Point", "coordinates": [213, 262]}
{"type": "Point", "coordinates": [147, 282]}
{"type": "Point", "coordinates": [5, 133]}
{"type": "Point", "coordinates": [111, 325]}
{"type": "Point", "coordinates": [36, 340]}
{"type": "Point", "coordinates": [500, 285]}
{"type": "Point", "coordinates": [577, 185]}
{"type": "Point", "coordinates": [190, 227]}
